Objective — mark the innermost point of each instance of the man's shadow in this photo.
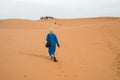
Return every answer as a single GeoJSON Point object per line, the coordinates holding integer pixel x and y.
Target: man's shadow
{"type": "Point", "coordinates": [38, 55]}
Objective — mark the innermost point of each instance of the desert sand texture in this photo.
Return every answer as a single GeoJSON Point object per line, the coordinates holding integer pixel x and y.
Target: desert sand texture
{"type": "Point", "coordinates": [89, 49]}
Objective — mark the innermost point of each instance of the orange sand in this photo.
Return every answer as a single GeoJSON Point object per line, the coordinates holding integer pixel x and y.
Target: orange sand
{"type": "Point", "coordinates": [90, 49]}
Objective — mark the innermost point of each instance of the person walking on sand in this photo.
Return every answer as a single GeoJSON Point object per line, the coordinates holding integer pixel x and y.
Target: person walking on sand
{"type": "Point", "coordinates": [53, 41]}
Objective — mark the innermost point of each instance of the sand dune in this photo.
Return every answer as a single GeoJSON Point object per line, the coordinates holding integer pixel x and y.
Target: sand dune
{"type": "Point", "coordinates": [89, 49]}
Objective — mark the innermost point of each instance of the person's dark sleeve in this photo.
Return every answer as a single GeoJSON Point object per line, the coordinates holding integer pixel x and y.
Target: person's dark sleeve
{"type": "Point", "coordinates": [47, 38]}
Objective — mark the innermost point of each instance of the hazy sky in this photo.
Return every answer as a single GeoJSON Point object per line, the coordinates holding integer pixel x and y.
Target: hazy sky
{"type": "Point", "coordinates": [34, 9]}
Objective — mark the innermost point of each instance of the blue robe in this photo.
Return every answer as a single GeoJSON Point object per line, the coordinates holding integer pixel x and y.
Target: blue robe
{"type": "Point", "coordinates": [52, 39]}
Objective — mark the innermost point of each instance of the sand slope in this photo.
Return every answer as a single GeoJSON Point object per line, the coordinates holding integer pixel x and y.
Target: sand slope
{"type": "Point", "coordinates": [89, 49]}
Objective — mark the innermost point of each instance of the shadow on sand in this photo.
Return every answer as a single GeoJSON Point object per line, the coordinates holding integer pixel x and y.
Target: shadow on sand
{"type": "Point", "coordinates": [38, 55]}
